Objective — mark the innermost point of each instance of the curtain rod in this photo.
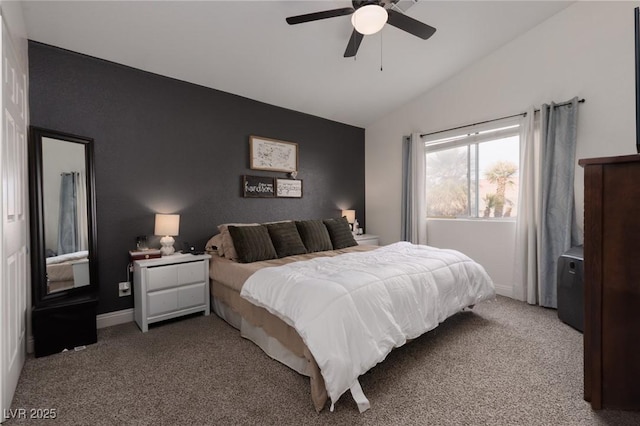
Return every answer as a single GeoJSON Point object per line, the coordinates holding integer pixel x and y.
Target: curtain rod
{"type": "Point", "coordinates": [524, 114]}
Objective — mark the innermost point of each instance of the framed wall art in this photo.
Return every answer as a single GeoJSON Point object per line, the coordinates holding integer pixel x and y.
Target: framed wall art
{"type": "Point", "coordinates": [258, 187]}
{"type": "Point", "coordinates": [288, 188]}
{"type": "Point", "coordinates": [272, 155]}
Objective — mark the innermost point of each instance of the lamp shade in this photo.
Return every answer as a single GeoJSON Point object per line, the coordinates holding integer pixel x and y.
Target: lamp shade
{"type": "Point", "coordinates": [350, 215]}
{"type": "Point", "coordinates": [167, 224]}
{"type": "Point", "coordinates": [369, 19]}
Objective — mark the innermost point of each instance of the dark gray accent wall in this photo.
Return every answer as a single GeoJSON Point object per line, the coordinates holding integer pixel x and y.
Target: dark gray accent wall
{"type": "Point", "coordinates": [167, 146]}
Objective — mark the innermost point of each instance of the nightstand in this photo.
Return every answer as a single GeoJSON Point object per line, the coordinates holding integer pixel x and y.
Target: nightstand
{"type": "Point", "coordinates": [170, 287]}
{"type": "Point", "coordinates": [367, 239]}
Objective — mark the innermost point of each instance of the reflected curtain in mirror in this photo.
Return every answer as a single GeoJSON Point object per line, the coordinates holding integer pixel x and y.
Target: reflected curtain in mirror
{"type": "Point", "coordinates": [72, 227]}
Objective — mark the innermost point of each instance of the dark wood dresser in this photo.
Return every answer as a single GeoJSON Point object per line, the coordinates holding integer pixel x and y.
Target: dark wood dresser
{"type": "Point", "coordinates": [612, 282]}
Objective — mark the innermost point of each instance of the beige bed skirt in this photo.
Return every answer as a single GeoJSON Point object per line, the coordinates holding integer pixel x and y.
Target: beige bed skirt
{"type": "Point", "coordinates": [275, 328]}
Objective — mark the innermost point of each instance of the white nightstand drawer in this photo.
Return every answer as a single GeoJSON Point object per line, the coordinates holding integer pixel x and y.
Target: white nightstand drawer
{"type": "Point", "coordinates": [160, 302]}
{"type": "Point", "coordinates": [160, 277]}
{"type": "Point", "coordinates": [191, 295]}
{"type": "Point", "coordinates": [189, 273]}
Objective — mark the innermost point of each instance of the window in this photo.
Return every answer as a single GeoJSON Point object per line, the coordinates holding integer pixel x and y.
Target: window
{"type": "Point", "coordinates": [473, 173]}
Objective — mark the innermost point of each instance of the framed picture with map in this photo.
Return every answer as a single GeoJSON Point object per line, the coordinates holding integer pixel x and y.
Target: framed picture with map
{"type": "Point", "coordinates": [272, 155]}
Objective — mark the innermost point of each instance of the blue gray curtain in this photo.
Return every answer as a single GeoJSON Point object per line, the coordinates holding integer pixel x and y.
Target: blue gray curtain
{"type": "Point", "coordinates": [558, 228]}
{"type": "Point", "coordinates": [68, 218]}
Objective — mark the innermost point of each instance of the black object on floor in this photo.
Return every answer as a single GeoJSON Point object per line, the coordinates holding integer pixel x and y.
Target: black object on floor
{"type": "Point", "coordinates": [65, 325]}
{"type": "Point", "coordinates": [570, 288]}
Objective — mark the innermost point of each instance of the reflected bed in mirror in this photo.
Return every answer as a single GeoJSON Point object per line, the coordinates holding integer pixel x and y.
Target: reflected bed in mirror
{"type": "Point", "coordinates": [67, 271]}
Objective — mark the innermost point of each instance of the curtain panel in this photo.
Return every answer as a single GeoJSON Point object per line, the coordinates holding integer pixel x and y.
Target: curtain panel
{"type": "Point", "coordinates": [68, 216]}
{"type": "Point", "coordinates": [414, 213]}
{"type": "Point", "coordinates": [525, 283]}
{"type": "Point", "coordinates": [546, 225]}
{"type": "Point", "coordinates": [558, 228]}
{"type": "Point", "coordinates": [82, 214]}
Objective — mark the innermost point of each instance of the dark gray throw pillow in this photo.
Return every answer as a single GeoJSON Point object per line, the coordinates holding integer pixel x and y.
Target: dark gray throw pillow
{"type": "Point", "coordinates": [252, 243]}
{"type": "Point", "coordinates": [340, 233]}
{"type": "Point", "coordinates": [286, 239]}
{"type": "Point", "coordinates": [315, 236]}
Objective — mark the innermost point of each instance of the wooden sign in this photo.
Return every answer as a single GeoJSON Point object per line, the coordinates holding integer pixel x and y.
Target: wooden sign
{"type": "Point", "coordinates": [258, 187]}
{"type": "Point", "coordinates": [289, 188]}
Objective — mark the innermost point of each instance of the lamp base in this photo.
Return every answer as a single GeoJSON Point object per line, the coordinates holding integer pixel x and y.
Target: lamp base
{"type": "Point", "coordinates": [167, 245]}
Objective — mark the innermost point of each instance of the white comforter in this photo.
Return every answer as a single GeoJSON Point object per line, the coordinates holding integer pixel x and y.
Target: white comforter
{"type": "Point", "coordinates": [353, 309]}
{"type": "Point", "coordinates": [67, 257]}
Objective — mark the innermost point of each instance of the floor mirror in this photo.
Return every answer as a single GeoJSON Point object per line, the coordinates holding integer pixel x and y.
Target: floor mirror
{"type": "Point", "coordinates": [63, 240]}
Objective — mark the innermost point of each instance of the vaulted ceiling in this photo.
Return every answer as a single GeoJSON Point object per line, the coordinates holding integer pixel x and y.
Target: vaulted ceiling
{"type": "Point", "coordinates": [247, 48]}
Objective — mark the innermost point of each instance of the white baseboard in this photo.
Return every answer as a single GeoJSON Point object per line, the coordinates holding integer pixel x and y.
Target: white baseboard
{"type": "Point", "coordinates": [504, 290]}
{"type": "Point", "coordinates": [114, 318]}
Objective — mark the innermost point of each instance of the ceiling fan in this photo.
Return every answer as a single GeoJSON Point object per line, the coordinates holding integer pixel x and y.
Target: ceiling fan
{"type": "Point", "coordinates": [368, 17]}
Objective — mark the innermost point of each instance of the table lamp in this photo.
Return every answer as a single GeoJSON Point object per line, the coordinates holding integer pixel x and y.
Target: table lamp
{"type": "Point", "coordinates": [167, 225]}
{"type": "Point", "coordinates": [351, 217]}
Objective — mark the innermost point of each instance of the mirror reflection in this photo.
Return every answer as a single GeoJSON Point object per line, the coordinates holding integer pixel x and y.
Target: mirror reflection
{"type": "Point", "coordinates": [66, 228]}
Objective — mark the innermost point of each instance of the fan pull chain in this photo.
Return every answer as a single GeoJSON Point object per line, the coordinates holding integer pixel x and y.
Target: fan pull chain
{"type": "Point", "coordinates": [380, 50]}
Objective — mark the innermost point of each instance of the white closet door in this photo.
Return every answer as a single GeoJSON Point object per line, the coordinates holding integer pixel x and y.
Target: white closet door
{"type": "Point", "coordinates": [14, 263]}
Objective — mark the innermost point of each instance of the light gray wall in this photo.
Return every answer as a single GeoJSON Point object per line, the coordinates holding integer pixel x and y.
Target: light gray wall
{"type": "Point", "coordinates": [14, 19]}
{"type": "Point", "coordinates": [586, 50]}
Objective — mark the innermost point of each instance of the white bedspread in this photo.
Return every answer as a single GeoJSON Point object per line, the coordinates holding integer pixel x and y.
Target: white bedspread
{"type": "Point", "coordinates": [67, 257]}
{"type": "Point", "coordinates": [352, 310]}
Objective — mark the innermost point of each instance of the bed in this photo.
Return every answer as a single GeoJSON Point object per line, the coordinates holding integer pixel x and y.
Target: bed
{"type": "Point", "coordinates": [334, 314]}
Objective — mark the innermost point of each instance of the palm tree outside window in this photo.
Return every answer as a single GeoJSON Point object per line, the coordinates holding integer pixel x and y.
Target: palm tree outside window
{"type": "Point", "coordinates": [473, 174]}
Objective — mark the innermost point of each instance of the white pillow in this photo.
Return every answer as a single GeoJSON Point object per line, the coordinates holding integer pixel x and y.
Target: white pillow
{"type": "Point", "coordinates": [215, 241]}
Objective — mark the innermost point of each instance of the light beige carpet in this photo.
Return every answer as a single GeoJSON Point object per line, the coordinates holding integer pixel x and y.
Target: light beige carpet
{"type": "Point", "coordinates": [504, 363]}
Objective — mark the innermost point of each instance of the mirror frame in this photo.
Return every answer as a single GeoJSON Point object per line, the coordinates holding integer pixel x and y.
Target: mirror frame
{"type": "Point", "coordinates": [40, 296]}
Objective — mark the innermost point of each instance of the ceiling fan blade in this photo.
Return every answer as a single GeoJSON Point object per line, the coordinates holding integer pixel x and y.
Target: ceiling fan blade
{"type": "Point", "coordinates": [292, 20]}
{"type": "Point", "coordinates": [354, 44]}
{"type": "Point", "coordinates": [410, 25]}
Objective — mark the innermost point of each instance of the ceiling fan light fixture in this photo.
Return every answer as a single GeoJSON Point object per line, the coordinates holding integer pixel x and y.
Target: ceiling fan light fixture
{"type": "Point", "coordinates": [369, 19]}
